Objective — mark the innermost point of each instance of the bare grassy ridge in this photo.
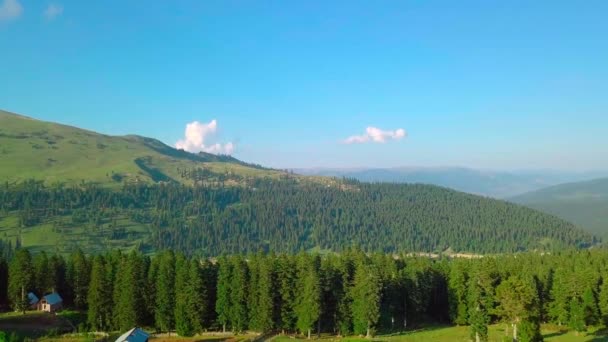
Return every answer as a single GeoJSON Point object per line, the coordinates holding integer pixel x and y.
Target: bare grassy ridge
{"type": "Point", "coordinates": [33, 149]}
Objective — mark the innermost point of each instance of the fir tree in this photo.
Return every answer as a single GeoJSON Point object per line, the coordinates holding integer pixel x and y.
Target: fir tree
{"type": "Point", "coordinates": [238, 294]}
{"type": "Point", "coordinates": [183, 324]}
{"type": "Point", "coordinates": [222, 305]}
{"type": "Point", "coordinates": [308, 306]}
{"type": "Point", "coordinates": [99, 297]}
{"type": "Point", "coordinates": [165, 294]}
{"type": "Point", "coordinates": [366, 299]}
{"type": "Point", "coordinates": [21, 280]}
{"type": "Point", "coordinates": [197, 297]}
{"type": "Point", "coordinates": [577, 315]}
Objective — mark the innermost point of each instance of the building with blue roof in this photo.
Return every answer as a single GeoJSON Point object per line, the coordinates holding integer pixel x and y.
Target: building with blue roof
{"type": "Point", "coordinates": [51, 303]}
{"type": "Point", "coordinates": [134, 335]}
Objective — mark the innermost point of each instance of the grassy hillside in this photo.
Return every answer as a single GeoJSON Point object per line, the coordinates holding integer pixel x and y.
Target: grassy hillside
{"type": "Point", "coordinates": [583, 203]}
{"type": "Point", "coordinates": [33, 149]}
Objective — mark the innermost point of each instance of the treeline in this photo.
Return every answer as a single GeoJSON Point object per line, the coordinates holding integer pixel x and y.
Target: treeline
{"type": "Point", "coordinates": [290, 216]}
{"type": "Point", "coordinates": [353, 293]}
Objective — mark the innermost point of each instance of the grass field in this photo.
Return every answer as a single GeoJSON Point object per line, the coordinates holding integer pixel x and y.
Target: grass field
{"type": "Point", "coordinates": [455, 334]}
{"type": "Point", "coordinates": [48, 328]}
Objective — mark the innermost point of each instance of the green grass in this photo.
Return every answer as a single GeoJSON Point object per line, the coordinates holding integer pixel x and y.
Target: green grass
{"type": "Point", "coordinates": [33, 149]}
{"type": "Point", "coordinates": [454, 334]}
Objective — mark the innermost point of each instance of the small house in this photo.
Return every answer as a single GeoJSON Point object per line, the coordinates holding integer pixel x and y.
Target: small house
{"type": "Point", "coordinates": [134, 335]}
{"type": "Point", "coordinates": [51, 303]}
{"type": "Point", "coordinates": [32, 300]}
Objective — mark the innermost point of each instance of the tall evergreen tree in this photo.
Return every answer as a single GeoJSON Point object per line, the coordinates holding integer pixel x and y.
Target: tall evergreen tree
{"type": "Point", "coordinates": [99, 314]}
{"type": "Point", "coordinates": [165, 294]}
{"type": "Point", "coordinates": [127, 309]}
{"type": "Point", "coordinates": [21, 280]}
{"type": "Point", "coordinates": [457, 285]}
{"type": "Point", "coordinates": [78, 276]}
{"type": "Point", "coordinates": [592, 314]}
{"type": "Point", "coordinates": [518, 302]}
{"type": "Point", "coordinates": [308, 306]}
{"type": "Point", "coordinates": [222, 305]}
{"type": "Point", "coordinates": [366, 299]}
{"type": "Point", "coordinates": [197, 302]}
{"type": "Point", "coordinates": [183, 324]}
{"type": "Point", "coordinates": [577, 315]}
{"type": "Point", "coordinates": [286, 274]}
{"type": "Point", "coordinates": [603, 301]}
{"type": "Point", "coordinates": [238, 294]}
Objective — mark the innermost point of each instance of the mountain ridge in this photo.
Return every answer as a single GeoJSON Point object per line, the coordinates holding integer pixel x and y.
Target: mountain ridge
{"type": "Point", "coordinates": [583, 203]}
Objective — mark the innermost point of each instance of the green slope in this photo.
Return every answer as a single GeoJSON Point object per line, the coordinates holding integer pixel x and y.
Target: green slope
{"type": "Point", "coordinates": [33, 149]}
{"type": "Point", "coordinates": [102, 192]}
{"type": "Point", "coordinates": [583, 203]}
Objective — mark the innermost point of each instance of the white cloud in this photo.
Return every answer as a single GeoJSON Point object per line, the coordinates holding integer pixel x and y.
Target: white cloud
{"type": "Point", "coordinates": [376, 135]}
{"type": "Point", "coordinates": [10, 9]}
{"type": "Point", "coordinates": [53, 11]}
{"type": "Point", "coordinates": [196, 136]}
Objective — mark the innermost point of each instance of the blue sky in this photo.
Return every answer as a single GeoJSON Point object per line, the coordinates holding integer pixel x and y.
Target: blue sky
{"type": "Point", "coordinates": [483, 84]}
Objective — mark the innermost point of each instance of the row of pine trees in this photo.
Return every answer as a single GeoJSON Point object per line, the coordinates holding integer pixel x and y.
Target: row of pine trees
{"type": "Point", "coordinates": [350, 293]}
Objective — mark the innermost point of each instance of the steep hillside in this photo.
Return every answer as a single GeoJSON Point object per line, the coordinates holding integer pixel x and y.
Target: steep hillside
{"type": "Point", "coordinates": [481, 182]}
{"type": "Point", "coordinates": [33, 149]}
{"type": "Point", "coordinates": [583, 203]}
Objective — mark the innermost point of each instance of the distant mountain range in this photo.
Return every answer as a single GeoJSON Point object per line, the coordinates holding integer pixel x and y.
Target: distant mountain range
{"type": "Point", "coordinates": [481, 182]}
{"type": "Point", "coordinates": [582, 203]}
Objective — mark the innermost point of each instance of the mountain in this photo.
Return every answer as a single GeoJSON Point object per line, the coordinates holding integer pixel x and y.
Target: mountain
{"type": "Point", "coordinates": [64, 188]}
{"type": "Point", "coordinates": [481, 182]}
{"type": "Point", "coordinates": [33, 149]}
{"type": "Point", "coordinates": [583, 203]}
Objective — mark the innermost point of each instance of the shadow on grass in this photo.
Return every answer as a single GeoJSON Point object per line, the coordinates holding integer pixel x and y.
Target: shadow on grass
{"type": "Point", "coordinates": [600, 336]}
{"type": "Point", "coordinates": [554, 334]}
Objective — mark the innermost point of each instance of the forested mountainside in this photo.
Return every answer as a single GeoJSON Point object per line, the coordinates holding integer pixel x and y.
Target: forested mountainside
{"type": "Point", "coordinates": [583, 203]}
{"type": "Point", "coordinates": [283, 215]}
{"type": "Point", "coordinates": [352, 293]}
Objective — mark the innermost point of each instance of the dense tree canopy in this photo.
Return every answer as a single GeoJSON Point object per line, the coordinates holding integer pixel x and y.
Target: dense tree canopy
{"type": "Point", "coordinates": [288, 216]}
{"type": "Point", "coordinates": [353, 292]}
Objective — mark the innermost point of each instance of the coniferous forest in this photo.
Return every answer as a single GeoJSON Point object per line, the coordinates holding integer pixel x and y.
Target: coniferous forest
{"type": "Point", "coordinates": [351, 293]}
{"type": "Point", "coordinates": [287, 216]}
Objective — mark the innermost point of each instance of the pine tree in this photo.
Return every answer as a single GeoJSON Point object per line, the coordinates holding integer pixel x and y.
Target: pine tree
{"type": "Point", "coordinates": [222, 305]}
{"type": "Point", "coordinates": [238, 291]}
{"type": "Point", "coordinates": [603, 301]}
{"type": "Point", "coordinates": [21, 280]}
{"type": "Point", "coordinates": [99, 297]}
{"type": "Point", "coordinates": [78, 276]}
{"type": "Point", "coordinates": [308, 306]}
{"type": "Point", "coordinates": [560, 294]}
{"type": "Point", "coordinates": [592, 314]}
{"type": "Point", "coordinates": [165, 294]}
{"type": "Point", "coordinates": [577, 315]}
{"type": "Point", "coordinates": [42, 273]}
{"type": "Point", "coordinates": [457, 285]}
{"type": "Point", "coordinates": [128, 311]}
{"type": "Point", "coordinates": [518, 302]}
{"type": "Point", "coordinates": [286, 282]}
{"type": "Point", "coordinates": [265, 298]}
{"type": "Point", "coordinates": [366, 299]}
{"type": "Point", "coordinates": [183, 323]}
{"type": "Point", "coordinates": [197, 297]}
{"type": "Point", "coordinates": [481, 297]}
